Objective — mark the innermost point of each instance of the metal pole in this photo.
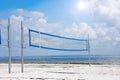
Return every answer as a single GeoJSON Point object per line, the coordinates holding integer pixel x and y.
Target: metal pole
{"type": "Point", "coordinates": [22, 56]}
{"type": "Point", "coordinates": [89, 49]}
{"type": "Point", "coordinates": [9, 50]}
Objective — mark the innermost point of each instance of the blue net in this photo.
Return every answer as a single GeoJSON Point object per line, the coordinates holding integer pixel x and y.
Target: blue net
{"type": "Point", "coordinates": [55, 42]}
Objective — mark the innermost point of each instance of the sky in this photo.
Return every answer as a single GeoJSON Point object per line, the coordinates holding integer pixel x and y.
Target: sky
{"type": "Point", "coordinates": [70, 18]}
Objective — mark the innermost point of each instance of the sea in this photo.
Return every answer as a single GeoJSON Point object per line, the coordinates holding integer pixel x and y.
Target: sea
{"type": "Point", "coordinates": [94, 59]}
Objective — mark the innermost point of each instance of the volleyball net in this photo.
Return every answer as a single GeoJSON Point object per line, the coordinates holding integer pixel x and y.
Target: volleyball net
{"type": "Point", "coordinates": [55, 42]}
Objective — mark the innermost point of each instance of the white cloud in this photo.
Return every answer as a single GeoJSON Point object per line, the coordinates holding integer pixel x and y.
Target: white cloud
{"type": "Point", "coordinates": [31, 19]}
{"type": "Point", "coordinates": [99, 32]}
{"type": "Point", "coordinates": [80, 31]}
{"type": "Point", "coordinates": [17, 18]}
{"type": "Point", "coordinates": [42, 21]}
{"type": "Point", "coordinates": [117, 38]}
{"type": "Point", "coordinates": [26, 13]}
{"type": "Point", "coordinates": [110, 8]}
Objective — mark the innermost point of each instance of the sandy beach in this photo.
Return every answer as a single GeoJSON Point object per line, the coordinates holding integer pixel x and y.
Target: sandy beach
{"type": "Point", "coordinates": [60, 72]}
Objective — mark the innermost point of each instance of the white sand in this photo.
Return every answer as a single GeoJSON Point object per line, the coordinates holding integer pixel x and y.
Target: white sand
{"type": "Point", "coordinates": [61, 72]}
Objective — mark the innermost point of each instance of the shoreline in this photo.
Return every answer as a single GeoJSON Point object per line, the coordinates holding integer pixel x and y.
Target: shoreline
{"type": "Point", "coordinates": [82, 63]}
{"type": "Point", "coordinates": [67, 59]}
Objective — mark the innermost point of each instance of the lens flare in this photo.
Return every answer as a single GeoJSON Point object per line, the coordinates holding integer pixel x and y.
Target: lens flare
{"type": "Point", "coordinates": [81, 6]}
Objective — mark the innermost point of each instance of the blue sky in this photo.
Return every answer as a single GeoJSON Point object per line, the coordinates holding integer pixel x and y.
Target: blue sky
{"type": "Point", "coordinates": [71, 18]}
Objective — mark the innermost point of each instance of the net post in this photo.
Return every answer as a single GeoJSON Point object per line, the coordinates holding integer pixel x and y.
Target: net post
{"type": "Point", "coordinates": [89, 49]}
{"type": "Point", "coordinates": [22, 42]}
{"type": "Point", "coordinates": [9, 50]}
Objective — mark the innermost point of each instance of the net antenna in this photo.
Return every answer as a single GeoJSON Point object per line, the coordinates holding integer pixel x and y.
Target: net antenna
{"type": "Point", "coordinates": [9, 47]}
{"type": "Point", "coordinates": [55, 42]}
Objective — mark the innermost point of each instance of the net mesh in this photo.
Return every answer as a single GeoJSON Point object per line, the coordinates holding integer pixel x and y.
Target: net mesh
{"type": "Point", "coordinates": [55, 42]}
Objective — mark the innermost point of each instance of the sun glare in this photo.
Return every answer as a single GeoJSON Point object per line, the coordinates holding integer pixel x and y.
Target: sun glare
{"type": "Point", "coordinates": [82, 6]}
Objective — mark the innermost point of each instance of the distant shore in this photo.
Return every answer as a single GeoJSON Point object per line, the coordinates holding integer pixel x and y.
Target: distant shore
{"type": "Point", "coordinates": [83, 63]}
{"type": "Point", "coordinates": [65, 59]}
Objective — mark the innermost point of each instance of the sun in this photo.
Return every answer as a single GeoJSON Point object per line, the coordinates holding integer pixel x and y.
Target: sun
{"type": "Point", "coordinates": [81, 6]}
